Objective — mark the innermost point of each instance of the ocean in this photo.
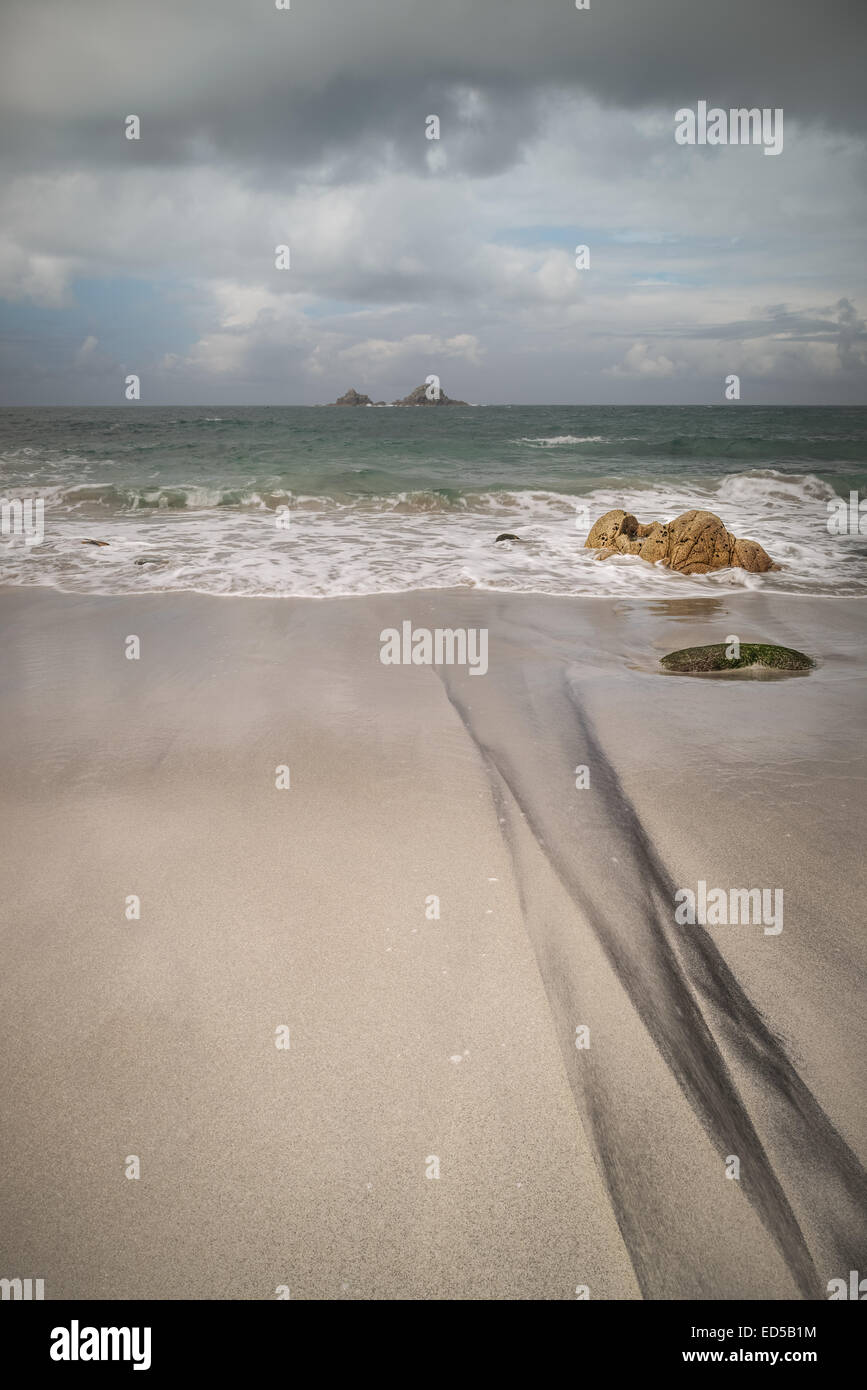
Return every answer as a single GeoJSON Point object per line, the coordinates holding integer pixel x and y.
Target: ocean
{"type": "Point", "coordinates": [323, 501]}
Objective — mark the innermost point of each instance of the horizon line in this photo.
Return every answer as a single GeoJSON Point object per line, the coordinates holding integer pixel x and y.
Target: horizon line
{"type": "Point", "coordinates": [481, 405]}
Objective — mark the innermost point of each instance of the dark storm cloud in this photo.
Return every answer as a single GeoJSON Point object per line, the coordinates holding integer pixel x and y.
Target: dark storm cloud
{"type": "Point", "coordinates": [307, 126]}
{"type": "Point", "coordinates": [838, 324]}
{"type": "Point", "coordinates": [350, 81]}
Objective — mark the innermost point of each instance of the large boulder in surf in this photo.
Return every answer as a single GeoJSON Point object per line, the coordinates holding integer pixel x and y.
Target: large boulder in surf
{"type": "Point", "coordinates": [696, 542]}
{"type": "Point", "coordinates": [656, 543]}
{"type": "Point", "coordinates": [615, 531]}
{"type": "Point", "coordinates": [749, 555]}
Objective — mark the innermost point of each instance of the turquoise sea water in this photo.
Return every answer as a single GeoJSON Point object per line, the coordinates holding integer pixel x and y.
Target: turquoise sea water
{"type": "Point", "coordinates": [322, 500]}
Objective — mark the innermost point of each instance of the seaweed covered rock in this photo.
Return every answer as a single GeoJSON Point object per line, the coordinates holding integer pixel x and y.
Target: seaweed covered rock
{"type": "Point", "coordinates": [715, 657]}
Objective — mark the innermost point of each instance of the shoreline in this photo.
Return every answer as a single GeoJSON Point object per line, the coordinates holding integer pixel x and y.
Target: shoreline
{"type": "Point", "coordinates": [715, 596]}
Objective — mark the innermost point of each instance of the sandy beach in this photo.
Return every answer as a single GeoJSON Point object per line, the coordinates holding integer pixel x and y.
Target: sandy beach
{"type": "Point", "coordinates": [414, 1038]}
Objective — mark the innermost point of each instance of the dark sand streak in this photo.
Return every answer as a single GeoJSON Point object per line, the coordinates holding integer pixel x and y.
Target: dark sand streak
{"type": "Point", "coordinates": [746, 1032]}
{"type": "Point", "coordinates": [659, 987]}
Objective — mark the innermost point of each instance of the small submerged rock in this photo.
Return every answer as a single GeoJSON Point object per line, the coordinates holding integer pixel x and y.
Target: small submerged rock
{"type": "Point", "coordinates": [507, 536]}
{"type": "Point", "coordinates": [150, 560]}
{"type": "Point", "coordinates": [763, 655]}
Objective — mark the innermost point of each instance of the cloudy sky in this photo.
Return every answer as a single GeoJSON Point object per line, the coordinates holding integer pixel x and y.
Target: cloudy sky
{"type": "Point", "coordinates": [306, 127]}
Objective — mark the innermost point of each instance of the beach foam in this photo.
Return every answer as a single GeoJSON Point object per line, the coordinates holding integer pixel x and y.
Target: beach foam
{"type": "Point", "coordinates": [228, 541]}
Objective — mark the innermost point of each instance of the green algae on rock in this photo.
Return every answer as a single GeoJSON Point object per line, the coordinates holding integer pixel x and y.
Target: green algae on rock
{"type": "Point", "coordinates": [713, 658]}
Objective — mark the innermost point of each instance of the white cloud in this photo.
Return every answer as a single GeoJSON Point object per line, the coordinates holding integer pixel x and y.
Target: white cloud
{"type": "Point", "coordinates": [85, 352]}
{"type": "Point", "coordinates": [394, 266]}
{"type": "Point", "coordinates": [642, 360]}
{"type": "Point", "coordinates": [374, 353]}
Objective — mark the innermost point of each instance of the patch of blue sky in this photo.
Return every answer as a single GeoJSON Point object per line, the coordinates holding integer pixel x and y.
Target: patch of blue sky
{"type": "Point", "coordinates": [128, 317]}
{"type": "Point", "coordinates": [332, 308]}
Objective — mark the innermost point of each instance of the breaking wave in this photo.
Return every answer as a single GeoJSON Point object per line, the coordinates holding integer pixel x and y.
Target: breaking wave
{"type": "Point", "coordinates": [256, 541]}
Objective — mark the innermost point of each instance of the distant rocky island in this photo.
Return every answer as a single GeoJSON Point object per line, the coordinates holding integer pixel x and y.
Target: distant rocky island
{"type": "Point", "coordinates": [417, 397]}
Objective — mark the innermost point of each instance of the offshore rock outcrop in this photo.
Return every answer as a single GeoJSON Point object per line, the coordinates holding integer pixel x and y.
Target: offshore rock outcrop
{"type": "Point", "coordinates": [353, 398]}
{"type": "Point", "coordinates": [420, 397]}
{"type": "Point", "coordinates": [417, 397]}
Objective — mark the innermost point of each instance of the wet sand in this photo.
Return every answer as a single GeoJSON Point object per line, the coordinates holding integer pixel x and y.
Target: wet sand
{"type": "Point", "coordinates": [413, 1038]}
